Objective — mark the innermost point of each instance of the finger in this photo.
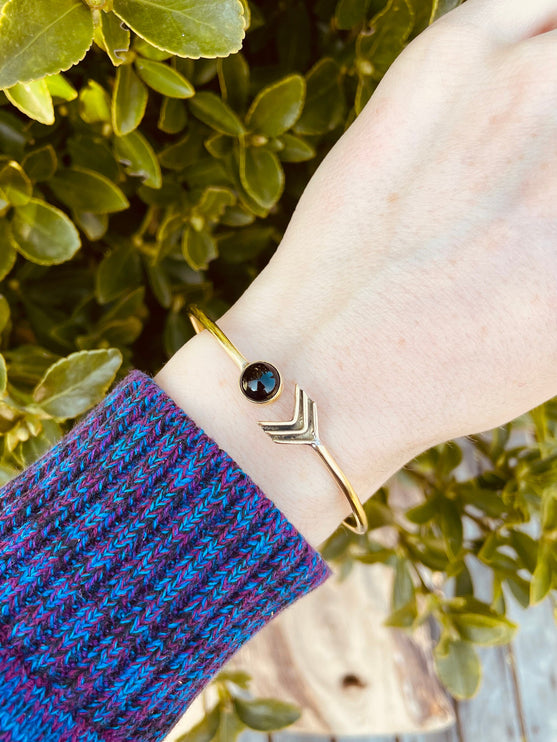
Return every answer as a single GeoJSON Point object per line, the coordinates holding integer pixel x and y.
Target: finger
{"type": "Point", "coordinates": [510, 20]}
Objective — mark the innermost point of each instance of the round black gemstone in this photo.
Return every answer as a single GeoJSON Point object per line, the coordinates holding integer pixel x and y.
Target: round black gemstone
{"type": "Point", "coordinates": [260, 381]}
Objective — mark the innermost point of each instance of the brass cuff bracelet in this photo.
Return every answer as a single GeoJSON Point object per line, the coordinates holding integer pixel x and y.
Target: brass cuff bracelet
{"type": "Point", "coordinates": [261, 383]}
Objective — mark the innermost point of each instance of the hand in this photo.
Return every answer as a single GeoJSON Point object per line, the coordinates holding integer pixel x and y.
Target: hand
{"type": "Point", "coordinates": [414, 295]}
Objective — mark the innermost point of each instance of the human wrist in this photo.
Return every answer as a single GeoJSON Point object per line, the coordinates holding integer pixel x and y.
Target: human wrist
{"type": "Point", "coordinates": [204, 382]}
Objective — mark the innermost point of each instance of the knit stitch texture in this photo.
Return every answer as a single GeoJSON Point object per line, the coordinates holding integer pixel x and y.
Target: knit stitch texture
{"type": "Point", "coordinates": [135, 558]}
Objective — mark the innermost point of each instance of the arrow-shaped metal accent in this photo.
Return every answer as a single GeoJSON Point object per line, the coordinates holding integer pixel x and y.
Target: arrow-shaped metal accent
{"type": "Point", "coordinates": [303, 429]}
{"type": "Point", "coordinates": [303, 426]}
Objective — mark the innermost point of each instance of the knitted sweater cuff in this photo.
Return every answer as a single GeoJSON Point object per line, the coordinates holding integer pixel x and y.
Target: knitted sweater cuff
{"type": "Point", "coordinates": [135, 558]}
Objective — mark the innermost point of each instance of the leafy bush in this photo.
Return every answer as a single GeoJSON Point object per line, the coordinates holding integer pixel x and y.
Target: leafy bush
{"type": "Point", "coordinates": [145, 163]}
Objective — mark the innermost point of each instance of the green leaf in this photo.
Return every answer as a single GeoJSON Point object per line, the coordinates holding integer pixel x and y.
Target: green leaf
{"type": "Point", "coordinates": [520, 588]}
{"type": "Point", "coordinates": [183, 153]}
{"type": "Point", "coordinates": [241, 245]}
{"type": "Point", "coordinates": [350, 13]}
{"type": "Point", "coordinates": [381, 556]}
{"type": "Point", "coordinates": [233, 72]}
{"type": "Point", "coordinates": [169, 235]}
{"type": "Point", "coordinates": [213, 202]}
{"type": "Point", "coordinates": [451, 525]}
{"type": "Point", "coordinates": [229, 728]}
{"type": "Point", "coordinates": [7, 250]}
{"type": "Point", "coordinates": [277, 107]}
{"type": "Point", "coordinates": [541, 580]}
{"type": "Point", "coordinates": [74, 384]}
{"type": "Point", "coordinates": [336, 546]}
{"type": "Point", "coordinates": [159, 283]}
{"type": "Point", "coordinates": [486, 630]}
{"type": "Point", "coordinates": [205, 730]}
{"type": "Point", "coordinates": [55, 35]}
{"type": "Point", "coordinates": [403, 586]}
{"type": "Point", "coordinates": [450, 456]}
{"type": "Point", "coordinates": [463, 582]}
{"type": "Point", "coordinates": [12, 137]}
{"type": "Point", "coordinates": [33, 99]}
{"type": "Point", "coordinates": [325, 104]}
{"type": "Point", "coordinates": [86, 190]}
{"type": "Point", "coordinates": [40, 164]}
{"type": "Point", "coordinates": [237, 216]}
{"type": "Point", "coordinates": [390, 29]}
{"type": "Point", "coordinates": [118, 272]}
{"type": "Point", "coordinates": [214, 112]}
{"type": "Point", "coordinates": [4, 312]}
{"type": "Point", "coordinates": [549, 510]}
{"type": "Point", "coordinates": [261, 175]}
{"type": "Point", "coordinates": [173, 116]}
{"type": "Point", "coordinates": [526, 548]}
{"type": "Point", "coordinates": [15, 186]}
{"type": "Point", "coordinates": [429, 551]}
{"type": "Point", "coordinates": [93, 153]}
{"type": "Point", "coordinates": [296, 34]}
{"type": "Point", "coordinates": [198, 248]}
{"type": "Point", "coordinates": [136, 154]}
{"type": "Point", "coordinates": [188, 28]}
{"type": "Point", "coordinates": [116, 38]}
{"type": "Point", "coordinates": [207, 171]}
{"type": "Point", "coordinates": [266, 714]}
{"type": "Point", "coordinates": [28, 363]}
{"type": "Point", "coordinates": [44, 234]}
{"type": "Point", "coordinates": [295, 149]}
{"type": "Point", "coordinates": [163, 79]}
{"type": "Point", "coordinates": [423, 513]}
{"type": "Point", "coordinates": [404, 617]}
{"type": "Point", "coordinates": [145, 49]}
{"type": "Point", "coordinates": [440, 7]}
{"type": "Point", "coordinates": [35, 447]}
{"type": "Point", "coordinates": [129, 100]}
{"type": "Point", "coordinates": [130, 305]}
{"type": "Point", "coordinates": [94, 103]}
{"type": "Point", "coordinates": [59, 88]}
{"type": "Point", "coordinates": [3, 374]}
{"type": "Point", "coordinates": [177, 331]}
{"type": "Point", "coordinates": [94, 225]}
{"type": "Point", "coordinates": [219, 145]}
{"type": "Point", "coordinates": [458, 668]}
{"type": "Point", "coordinates": [238, 677]}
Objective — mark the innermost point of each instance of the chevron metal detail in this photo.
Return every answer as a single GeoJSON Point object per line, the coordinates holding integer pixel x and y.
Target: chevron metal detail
{"type": "Point", "coordinates": [303, 426]}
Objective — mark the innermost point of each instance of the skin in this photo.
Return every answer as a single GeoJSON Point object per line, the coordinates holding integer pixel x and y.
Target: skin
{"type": "Point", "coordinates": [414, 294]}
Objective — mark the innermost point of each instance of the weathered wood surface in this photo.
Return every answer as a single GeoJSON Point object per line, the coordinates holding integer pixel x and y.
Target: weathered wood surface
{"type": "Point", "coordinates": [534, 669]}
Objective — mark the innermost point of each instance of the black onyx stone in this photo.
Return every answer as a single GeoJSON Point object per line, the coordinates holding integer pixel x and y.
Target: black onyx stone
{"type": "Point", "coordinates": [260, 381]}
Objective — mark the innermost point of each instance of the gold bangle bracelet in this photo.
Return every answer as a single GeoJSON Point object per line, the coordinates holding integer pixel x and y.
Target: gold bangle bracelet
{"type": "Point", "coordinates": [261, 383]}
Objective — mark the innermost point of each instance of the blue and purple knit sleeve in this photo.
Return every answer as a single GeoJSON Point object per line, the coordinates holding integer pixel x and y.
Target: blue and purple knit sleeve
{"type": "Point", "coordinates": [135, 558]}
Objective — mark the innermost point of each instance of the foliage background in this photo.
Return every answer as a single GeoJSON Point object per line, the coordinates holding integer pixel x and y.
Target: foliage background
{"type": "Point", "coordinates": [145, 163]}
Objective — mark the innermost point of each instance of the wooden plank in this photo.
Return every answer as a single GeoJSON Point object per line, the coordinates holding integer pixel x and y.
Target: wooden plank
{"type": "Point", "coordinates": [449, 735]}
{"type": "Point", "coordinates": [249, 735]}
{"type": "Point", "coordinates": [534, 665]}
{"type": "Point", "coordinates": [287, 736]}
{"type": "Point", "coordinates": [491, 716]}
